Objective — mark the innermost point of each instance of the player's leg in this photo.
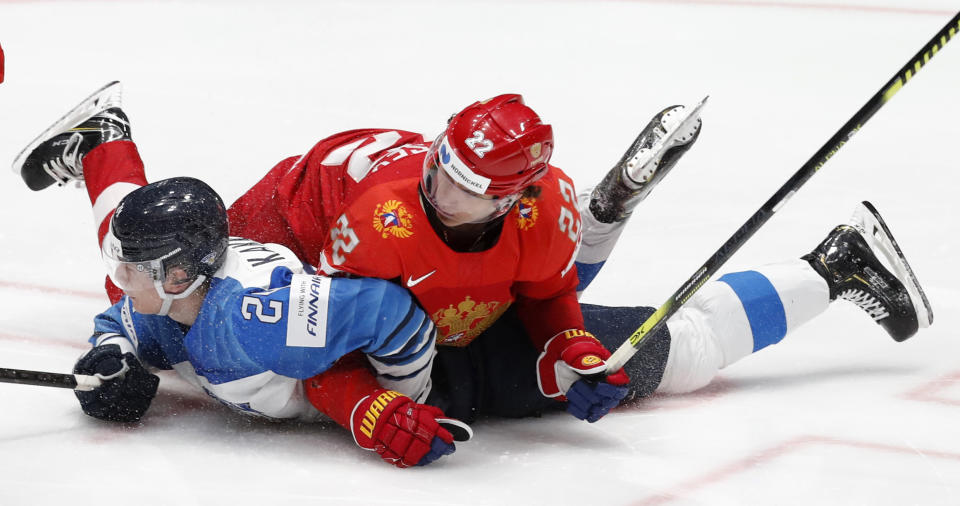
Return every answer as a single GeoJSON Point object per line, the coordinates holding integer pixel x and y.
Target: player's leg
{"type": "Point", "coordinates": [504, 378]}
{"type": "Point", "coordinates": [744, 312]}
{"type": "Point", "coordinates": [495, 375]}
{"type": "Point", "coordinates": [726, 320]}
{"type": "Point", "coordinates": [91, 144]}
{"type": "Point", "coordinates": [613, 325]}
{"type": "Point", "coordinates": [605, 208]}
{"type": "Point", "coordinates": [737, 315]}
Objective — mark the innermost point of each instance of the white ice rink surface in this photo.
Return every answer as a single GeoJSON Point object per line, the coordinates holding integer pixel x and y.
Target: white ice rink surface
{"type": "Point", "coordinates": [837, 413]}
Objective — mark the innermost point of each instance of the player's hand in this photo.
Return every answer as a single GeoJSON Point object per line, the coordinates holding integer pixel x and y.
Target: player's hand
{"type": "Point", "coordinates": [127, 387]}
{"type": "Point", "coordinates": [571, 368]}
{"type": "Point", "coordinates": [401, 431]}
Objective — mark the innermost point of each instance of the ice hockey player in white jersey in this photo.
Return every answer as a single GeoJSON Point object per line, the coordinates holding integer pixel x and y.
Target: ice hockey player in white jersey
{"type": "Point", "coordinates": [243, 321]}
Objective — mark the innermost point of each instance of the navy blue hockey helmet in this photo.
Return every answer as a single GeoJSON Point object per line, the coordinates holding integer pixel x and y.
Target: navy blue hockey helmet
{"type": "Point", "coordinates": [178, 222]}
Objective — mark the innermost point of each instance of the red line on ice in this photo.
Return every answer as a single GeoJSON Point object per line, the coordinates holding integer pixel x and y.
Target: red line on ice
{"type": "Point", "coordinates": [932, 391]}
{"type": "Point", "coordinates": [50, 289]}
{"type": "Point", "coordinates": [78, 342]}
{"type": "Point", "coordinates": [764, 456]}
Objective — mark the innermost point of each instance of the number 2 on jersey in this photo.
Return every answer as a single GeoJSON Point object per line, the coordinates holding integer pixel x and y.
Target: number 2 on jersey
{"type": "Point", "coordinates": [275, 305]}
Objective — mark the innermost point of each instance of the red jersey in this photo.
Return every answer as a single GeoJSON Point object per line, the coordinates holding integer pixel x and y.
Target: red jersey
{"type": "Point", "coordinates": [352, 205]}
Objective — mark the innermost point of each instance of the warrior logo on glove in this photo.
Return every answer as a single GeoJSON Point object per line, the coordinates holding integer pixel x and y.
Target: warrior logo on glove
{"type": "Point", "coordinates": [590, 360]}
{"type": "Point", "coordinates": [373, 412]}
{"type": "Point", "coordinates": [401, 431]}
{"type": "Point", "coordinates": [571, 368]}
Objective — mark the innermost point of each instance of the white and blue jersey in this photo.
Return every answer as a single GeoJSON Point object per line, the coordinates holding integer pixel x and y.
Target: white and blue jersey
{"type": "Point", "coordinates": [265, 325]}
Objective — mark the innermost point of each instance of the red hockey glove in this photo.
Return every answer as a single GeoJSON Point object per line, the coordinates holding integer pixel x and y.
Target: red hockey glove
{"type": "Point", "coordinates": [403, 432]}
{"type": "Point", "coordinates": [570, 368]}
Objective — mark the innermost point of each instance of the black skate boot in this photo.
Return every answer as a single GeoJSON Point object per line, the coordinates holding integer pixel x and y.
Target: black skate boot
{"type": "Point", "coordinates": [654, 152]}
{"type": "Point", "coordinates": [56, 156]}
{"type": "Point", "coordinates": [851, 259]}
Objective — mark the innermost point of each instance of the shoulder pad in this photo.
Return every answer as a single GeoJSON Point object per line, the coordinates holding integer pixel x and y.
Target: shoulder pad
{"type": "Point", "coordinates": [251, 263]}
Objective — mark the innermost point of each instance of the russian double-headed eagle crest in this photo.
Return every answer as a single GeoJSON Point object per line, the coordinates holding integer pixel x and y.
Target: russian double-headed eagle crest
{"type": "Point", "coordinates": [392, 218]}
{"type": "Point", "coordinates": [460, 325]}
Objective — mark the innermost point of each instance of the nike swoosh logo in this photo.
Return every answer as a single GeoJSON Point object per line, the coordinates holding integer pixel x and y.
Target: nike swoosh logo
{"type": "Point", "coordinates": [413, 282]}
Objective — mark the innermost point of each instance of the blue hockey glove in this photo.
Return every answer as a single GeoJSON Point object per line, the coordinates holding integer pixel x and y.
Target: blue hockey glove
{"type": "Point", "coordinates": [571, 367]}
{"type": "Point", "coordinates": [127, 387]}
{"type": "Point", "coordinates": [590, 400]}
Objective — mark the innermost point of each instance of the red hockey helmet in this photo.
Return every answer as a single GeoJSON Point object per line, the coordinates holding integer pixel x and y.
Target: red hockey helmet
{"type": "Point", "coordinates": [493, 149]}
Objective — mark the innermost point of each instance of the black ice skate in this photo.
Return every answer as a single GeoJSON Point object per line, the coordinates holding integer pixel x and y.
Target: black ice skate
{"type": "Point", "coordinates": [654, 152]}
{"type": "Point", "coordinates": [862, 263]}
{"type": "Point", "coordinates": [56, 156]}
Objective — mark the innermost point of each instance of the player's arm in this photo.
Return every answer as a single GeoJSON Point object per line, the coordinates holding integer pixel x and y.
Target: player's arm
{"type": "Point", "coordinates": [301, 329]}
{"type": "Point", "coordinates": [252, 348]}
{"type": "Point", "coordinates": [305, 328]}
{"type": "Point", "coordinates": [549, 307]}
{"type": "Point", "coordinates": [397, 336]}
{"type": "Point", "coordinates": [572, 363]}
{"type": "Point", "coordinates": [403, 432]}
{"type": "Point", "coordinates": [379, 399]}
{"type": "Point", "coordinates": [546, 298]}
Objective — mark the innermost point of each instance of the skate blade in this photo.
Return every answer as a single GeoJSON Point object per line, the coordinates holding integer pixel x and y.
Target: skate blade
{"type": "Point", "coordinates": [104, 98]}
{"type": "Point", "coordinates": [689, 123]}
{"type": "Point", "coordinates": [695, 113]}
{"type": "Point", "coordinates": [868, 221]}
{"type": "Point", "coordinates": [637, 165]}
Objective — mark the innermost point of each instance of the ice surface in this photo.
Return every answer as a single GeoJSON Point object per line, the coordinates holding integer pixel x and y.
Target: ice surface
{"type": "Point", "coordinates": [836, 414]}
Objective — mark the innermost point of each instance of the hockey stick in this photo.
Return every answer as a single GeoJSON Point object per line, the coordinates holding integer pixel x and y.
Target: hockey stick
{"type": "Point", "coordinates": [49, 379]}
{"type": "Point", "coordinates": [817, 161]}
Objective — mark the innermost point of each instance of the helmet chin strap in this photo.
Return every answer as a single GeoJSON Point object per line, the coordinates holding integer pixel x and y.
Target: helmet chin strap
{"type": "Point", "coordinates": [168, 298]}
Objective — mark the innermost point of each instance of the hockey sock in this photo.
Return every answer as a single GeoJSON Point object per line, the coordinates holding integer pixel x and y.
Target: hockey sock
{"type": "Point", "coordinates": [596, 244]}
{"type": "Point", "coordinates": [777, 298]}
{"type": "Point", "coordinates": [111, 171]}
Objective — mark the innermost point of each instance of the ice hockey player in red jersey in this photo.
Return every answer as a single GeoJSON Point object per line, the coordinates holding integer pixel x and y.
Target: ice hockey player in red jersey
{"type": "Point", "coordinates": [476, 223]}
{"type": "Point", "coordinates": [471, 223]}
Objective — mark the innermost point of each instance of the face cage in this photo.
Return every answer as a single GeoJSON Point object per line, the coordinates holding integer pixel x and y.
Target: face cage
{"type": "Point", "coordinates": [126, 274]}
{"type": "Point", "coordinates": [454, 201]}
